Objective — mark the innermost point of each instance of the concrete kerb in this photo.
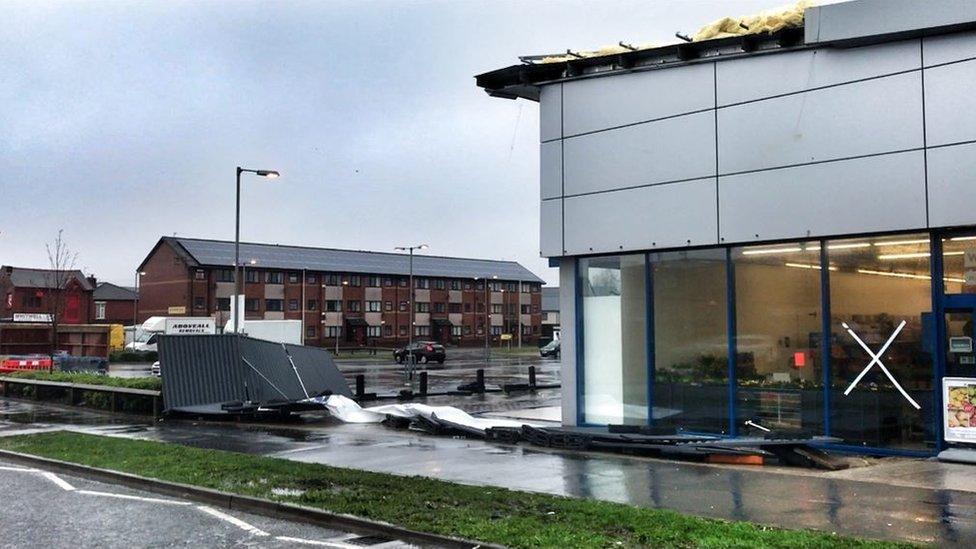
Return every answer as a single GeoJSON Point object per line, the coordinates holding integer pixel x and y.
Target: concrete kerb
{"type": "Point", "coordinates": [247, 504]}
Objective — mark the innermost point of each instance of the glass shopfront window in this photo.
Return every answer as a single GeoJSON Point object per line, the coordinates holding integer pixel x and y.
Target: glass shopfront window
{"type": "Point", "coordinates": [779, 373]}
{"type": "Point", "coordinates": [614, 384]}
{"type": "Point", "coordinates": [690, 366]}
{"type": "Point", "coordinates": [880, 305]}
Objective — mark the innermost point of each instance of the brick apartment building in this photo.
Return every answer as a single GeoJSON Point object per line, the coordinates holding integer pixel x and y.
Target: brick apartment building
{"type": "Point", "coordinates": [357, 297]}
{"type": "Point", "coordinates": [31, 291]}
{"type": "Point", "coordinates": [113, 304]}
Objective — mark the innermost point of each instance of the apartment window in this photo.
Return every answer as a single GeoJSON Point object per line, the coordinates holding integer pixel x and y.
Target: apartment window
{"type": "Point", "coordinates": [481, 307]}
{"type": "Point", "coordinates": [496, 330]}
{"type": "Point", "coordinates": [535, 308]}
{"type": "Point", "coordinates": [467, 329]}
{"type": "Point", "coordinates": [467, 285]}
{"type": "Point", "coordinates": [333, 331]}
{"type": "Point", "coordinates": [373, 281]}
{"type": "Point", "coordinates": [387, 281]}
{"type": "Point", "coordinates": [199, 303]}
{"type": "Point", "coordinates": [332, 280]}
{"type": "Point", "coordinates": [388, 306]}
{"type": "Point", "coordinates": [423, 307]}
{"type": "Point", "coordinates": [273, 305]}
{"type": "Point", "coordinates": [403, 306]}
{"type": "Point", "coordinates": [99, 310]}
{"type": "Point", "coordinates": [454, 308]}
{"type": "Point", "coordinates": [312, 305]}
{"type": "Point", "coordinates": [354, 281]}
{"type": "Point", "coordinates": [455, 284]}
{"type": "Point", "coordinates": [310, 332]}
{"type": "Point", "coordinates": [481, 329]}
{"type": "Point", "coordinates": [252, 276]}
{"type": "Point", "coordinates": [311, 279]}
{"type": "Point", "coordinates": [353, 306]}
{"type": "Point", "coordinates": [467, 307]}
{"type": "Point", "coordinates": [439, 284]}
{"type": "Point", "coordinates": [511, 286]}
{"type": "Point", "coordinates": [292, 304]}
{"type": "Point", "coordinates": [496, 308]}
{"type": "Point", "coordinates": [273, 277]}
{"type": "Point", "coordinates": [200, 275]}
{"type": "Point", "coordinates": [439, 307]}
{"type": "Point", "coordinates": [526, 309]}
{"type": "Point", "coordinates": [421, 330]}
{"type": "Point", "coordinates": [373, 331]}
{"type": "Point", "coordinates": [402, 282]}
{"type": "Point", "coordinates": [495, 286]}
{"type": "Point", "coordinates": [403, 330]}
{"type": "Point", "coordinates": [223, 303]}
{"type": "Point", "coordinates": [252, 304]}
{"type": "Point", "coordinates": [225, 275]}
{"type": "Point", "coordinates": [526, 329]}
{"type": "Point", "coordinates": [293, 277]}
{"type": "Point", "coordinates": [456, 331]}
{"type": "Point", "coordinates": [422, 283]}
{"type": "Point", "coordinates": [373, 306]}
{"type": "Point", "coordinates": [388, 331]}
{"type": "Point", "coordinates": [333, 305]}
{"type": "Point", "coordinates": [480, 286]}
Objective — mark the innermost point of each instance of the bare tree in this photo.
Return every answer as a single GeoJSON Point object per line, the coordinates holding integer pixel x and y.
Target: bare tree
{"type": "Point", "coordinates": [61, 261]}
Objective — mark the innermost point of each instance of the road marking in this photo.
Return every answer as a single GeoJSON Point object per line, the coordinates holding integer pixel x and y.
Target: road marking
{"type": "Point", "coordinates": [18, 469]}
{"type": "Point", "coordinates": [57, 480]}
{"type": "Point", "coordinates": [316, 542]}
{"type": "Point", "coordinates": [876, 359]}
{"type": "Point", "coordinates": [136, 498]}
{"type": "Point", "coordinates": [233, 520]}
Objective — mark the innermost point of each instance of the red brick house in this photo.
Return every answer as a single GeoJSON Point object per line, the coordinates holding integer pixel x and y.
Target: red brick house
{"type": "Point", "coordinates": [113, 304]}
{"type": "Point", "coordinates": [33, 291]}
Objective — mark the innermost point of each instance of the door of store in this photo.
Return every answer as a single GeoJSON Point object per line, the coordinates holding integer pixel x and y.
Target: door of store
{"type": "Point", "coordinates": [960, 360]}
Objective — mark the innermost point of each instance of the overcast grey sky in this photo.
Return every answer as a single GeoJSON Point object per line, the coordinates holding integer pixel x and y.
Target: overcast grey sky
{"type": "Point", "coordinates": [123, 121]}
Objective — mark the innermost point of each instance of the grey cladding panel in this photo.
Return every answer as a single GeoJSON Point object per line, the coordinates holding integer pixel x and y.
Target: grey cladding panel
{"type": "Point", "coordinates": [661, 216]}
{"type": "Point", "coordinates": [551, 227]}
{"type": "Point", "coordinates": [852, 196]}
{"type": "Point", "coordinates": [871, 117]}
{"type": "Point", "coordinates": [666, 150]}
{"type": "Point", "coordinates": [952, 185]}
{"type": "Point", "coordinates": [950, 103]}
{"type": "Point", "coordinates": [551, 169]}
{"type": "Point", "coordinates": [600, 103]}
{"type": "Point", "coordinates": [877, 18]}
{"type": "Point", "coordinates": [948, 48]}
{"type": "Point", "coordinates": [550, 112]}
{"type": "Point", "coordinates": [764, 76]}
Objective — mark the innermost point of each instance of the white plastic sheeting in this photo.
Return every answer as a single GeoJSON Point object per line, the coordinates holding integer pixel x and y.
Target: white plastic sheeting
{"type": "Point", "coordinates": [347, 410]}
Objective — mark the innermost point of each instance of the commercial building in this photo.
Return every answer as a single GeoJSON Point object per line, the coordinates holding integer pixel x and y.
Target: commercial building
{"type": "Point", "coordinates": [345, 297]}
{"type": "Point", "coordinates": [34, 294]}
{"type": "Point", "coordinates": [114, 304]}
{"type": "Point", "coordinates": [774, 228]}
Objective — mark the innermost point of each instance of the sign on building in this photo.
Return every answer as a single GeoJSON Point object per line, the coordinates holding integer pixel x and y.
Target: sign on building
{"type": "Point", "coordinates": [184, 326]}
{"type": "Point", "coordinates": [181, 310]}
{"type": "Point", "coordinates": [32, 317]}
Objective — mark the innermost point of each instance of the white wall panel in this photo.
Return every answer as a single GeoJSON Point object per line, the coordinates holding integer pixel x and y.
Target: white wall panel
{"type": "Point", "coordinates": [551, 225]}
{"type": "Point", "coordinates": [950, 103]}
{"type": "Point", "coordinates": [952, 185]}
{"type": "Point", "coordinates": [606, 102]}
{"type": "Point", "coordinates": [949, 47]}
{"type": "Point", "coordinates": [551, 169]}
{"type": "Point", "coordinates": [676, 214]}
{"type": "Point", "coordinates": [550, 112]}
{"type": "Point", "coordinates": [852, 196]}
{"type": "Point", "coordinates": [666, 150]}
{"type": "Point", "coordinates": [875, 116]}
{"type": "Point", "coordinates": [761, 76]}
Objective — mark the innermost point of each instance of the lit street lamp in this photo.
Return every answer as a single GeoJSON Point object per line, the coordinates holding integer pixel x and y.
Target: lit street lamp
{"type": "Point", "coordinates": [410, 332]}
{"type": "Point", "coordinates": [135, 304]}
{"type": "Point", "coordinates": [270, 174]}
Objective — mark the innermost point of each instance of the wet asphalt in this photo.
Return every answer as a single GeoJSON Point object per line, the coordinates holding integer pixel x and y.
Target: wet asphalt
{"type": "Point", "coordinates": [912, 500]}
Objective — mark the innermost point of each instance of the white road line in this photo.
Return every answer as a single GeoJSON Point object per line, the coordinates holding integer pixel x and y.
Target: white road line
{"type": "Point", "coordinates": [57, 480]}
{"type": "Point", "coordinates": [233, 520]}
{"type": "Point", "coordinates": [136, 498]}
{"type": "Point", "coordinates": [316, 542]}
{"type": "Point", "coordinates": [18, 469]}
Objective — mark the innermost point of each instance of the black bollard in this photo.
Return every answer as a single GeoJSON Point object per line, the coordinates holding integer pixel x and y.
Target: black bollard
{"type": "Point", "coordinates": [481, 380]}
{"type": "Point", "coordinates": [532, 376]}
{"type": "Point", "coordinates": [423, 383]}
{"type": "Point", "coordinates": [360, 386]}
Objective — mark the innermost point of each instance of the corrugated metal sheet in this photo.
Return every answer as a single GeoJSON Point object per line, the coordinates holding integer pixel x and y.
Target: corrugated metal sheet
{"type": "Point", "coordinates": [201, 373]}
{"type": "Point", "coordinates": [273, 256]}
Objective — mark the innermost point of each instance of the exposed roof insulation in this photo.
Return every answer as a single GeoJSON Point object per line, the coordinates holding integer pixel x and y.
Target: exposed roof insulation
{"type": "Point", "coordinates": [770, 20]}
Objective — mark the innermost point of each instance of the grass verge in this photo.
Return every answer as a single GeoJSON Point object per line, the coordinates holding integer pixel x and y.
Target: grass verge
{"type": "Point", "coordinates": [496, 515]}
{"type": "Point", "coordinates": [151, 383]}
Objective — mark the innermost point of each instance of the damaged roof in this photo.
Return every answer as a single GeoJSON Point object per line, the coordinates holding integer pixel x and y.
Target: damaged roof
{"type": "Point", "coordinates": [220, 253]}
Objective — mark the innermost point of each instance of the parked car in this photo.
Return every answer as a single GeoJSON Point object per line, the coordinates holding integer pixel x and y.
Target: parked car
{"type": "Point", "coordinates": [423, 352]}
{"type": "Point", "coordinates": [155, 370]}
{"type": "Point", "coordinates": [550, 349]}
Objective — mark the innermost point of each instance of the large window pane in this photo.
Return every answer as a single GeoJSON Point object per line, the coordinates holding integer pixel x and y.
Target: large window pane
{"type": "Point", "coordinates": [880, 287]}
{"type": "Point", "coordinates": [959, 263]}
{"type": "Point", "coordinates": [778, 333]}
{"type": "Point", "coordinates": [614, 339]}
{"type": "Point", "coordinates": [690, 340]}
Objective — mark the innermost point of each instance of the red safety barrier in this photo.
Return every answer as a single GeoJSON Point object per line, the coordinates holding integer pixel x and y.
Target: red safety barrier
{"type": "Point", "coordinates": [21, 364]}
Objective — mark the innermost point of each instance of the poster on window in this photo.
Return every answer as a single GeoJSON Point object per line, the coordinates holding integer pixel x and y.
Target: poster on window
{"type": "Point", "coordinates": [959, 396]}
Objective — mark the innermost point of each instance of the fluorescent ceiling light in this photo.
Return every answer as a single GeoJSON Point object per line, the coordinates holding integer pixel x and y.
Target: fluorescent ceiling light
{"type": "Point", "coordinates": [848, 246]}
{"type": "Point", "coordinates": [959, 238]}
{"type": "Point", "coordinates": [916, 255]}
{"type": "Point", "coordinates": [809, 266]}
{"type": "Point", "coordinates": [902, 242]}
{"type": "Point", "coordinates": [907, 275]}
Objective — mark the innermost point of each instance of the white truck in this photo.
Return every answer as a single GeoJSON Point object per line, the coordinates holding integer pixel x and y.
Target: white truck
{"type": "Point", "coordinates": [279, 331]}
{"type": "Point", "coordinates": [145, 338]}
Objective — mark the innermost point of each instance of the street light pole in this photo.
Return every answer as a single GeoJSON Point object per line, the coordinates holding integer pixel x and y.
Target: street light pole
{"type": "Point", "coordinates": [135, 304]}
{"type": "Point", "coordinates": [487, 317]}
{"type": "Point", "coordinates": [411, 316]}
{"type": "Point", "coordinates": [270, 174]}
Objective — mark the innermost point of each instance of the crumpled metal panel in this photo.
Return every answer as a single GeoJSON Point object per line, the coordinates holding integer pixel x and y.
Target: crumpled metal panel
{"type": "Point", "coordinates": [201, 373]}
